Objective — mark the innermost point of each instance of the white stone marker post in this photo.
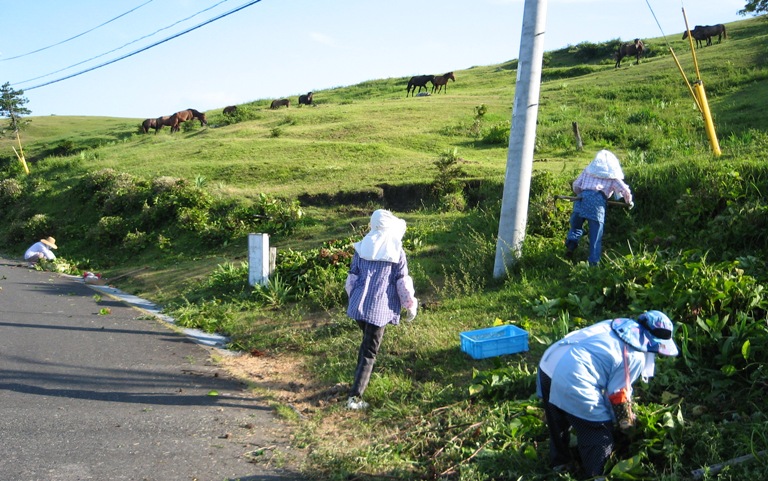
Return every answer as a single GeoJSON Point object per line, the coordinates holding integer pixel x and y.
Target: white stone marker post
{"type": "Point", "coordinates": [258, 259]}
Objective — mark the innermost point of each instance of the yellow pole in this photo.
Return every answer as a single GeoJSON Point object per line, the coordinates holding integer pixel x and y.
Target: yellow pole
{"type": "Point", "coordinates": [693, 50]}
{"type": "Point", "coordinates": [21, 154]}
{"type": "Point", "coordinates": [708, 124]}
{"type": "Point", "coordinates": [687, 83]}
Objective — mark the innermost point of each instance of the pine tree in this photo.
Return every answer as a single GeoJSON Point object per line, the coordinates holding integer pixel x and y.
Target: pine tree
{"type": "Point", "coordinates": [12, 106]}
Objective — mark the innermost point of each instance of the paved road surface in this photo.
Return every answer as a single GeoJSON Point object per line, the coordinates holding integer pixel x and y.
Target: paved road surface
{"type": "Point", "coordinates": [86, 395]}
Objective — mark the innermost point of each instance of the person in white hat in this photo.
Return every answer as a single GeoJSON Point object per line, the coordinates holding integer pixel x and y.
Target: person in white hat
{"type": "Point", "coordinates": [585, 382]}
{"type": "Point", "coordinates": [43, 249]}
{"type": "Point", "coordinates": [378, 286]}
{"type": "Point", "coordinates": [600, 180]}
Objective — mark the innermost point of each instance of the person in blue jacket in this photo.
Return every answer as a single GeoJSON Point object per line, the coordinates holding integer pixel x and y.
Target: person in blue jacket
{"type": "Point", "coordinates": [585, 382]}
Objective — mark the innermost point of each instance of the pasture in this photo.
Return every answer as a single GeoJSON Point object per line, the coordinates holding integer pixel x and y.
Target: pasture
{"type": "Point", "coordinates": [695, 246]}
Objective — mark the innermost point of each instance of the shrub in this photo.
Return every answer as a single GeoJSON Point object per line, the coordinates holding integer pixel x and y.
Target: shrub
{"type": "Point", "coordinates": [135, 242]}
{"type": "Point", "coordinates": [497, 134]}
{"type": "Point", "coordinates": [109, 231]}
{"type": "Point", "coordinates": [243, 113]}
{"type": "Point", "coordinates": [447, 184]}
{"type": "Point", "coordinates": [11, 190]}
{"type": "Point", "coordinates": [93, 183]}
{"type": "Point", "coordinates": [38, 226]}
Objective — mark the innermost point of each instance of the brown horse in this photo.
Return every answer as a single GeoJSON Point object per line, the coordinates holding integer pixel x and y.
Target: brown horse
{"type": "Point", "coordinates": [276, 104]}
{"type": "Point", "coordinates": [635, 48]}
{"type": "Point", "coordinates": [441, 81]}
{"type": "Point", "coordinates": [148, 124]}
{"type": "Point", "coordinates": [230, 110]}
{"type": "Point", "coordinates": [161, 122]}
{"type": "Point", "coordinates": [185, 115]}
{"type": "Point", "coordinates": [419, 81]}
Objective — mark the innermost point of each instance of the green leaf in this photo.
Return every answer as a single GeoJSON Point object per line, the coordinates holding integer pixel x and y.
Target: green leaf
{"type": "Point", "coordinates": [628, 468]}
{"type": "Point", "coordinates": [475, 389]}
{"type": "Point", "coordinates": [213, 393]}
{"type": "Point", "coordinates": [745, 349]}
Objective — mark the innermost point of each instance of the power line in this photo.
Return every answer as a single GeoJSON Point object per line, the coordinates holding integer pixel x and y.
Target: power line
{"type": "Point", "coordinates": [147, 47]}
{"type": "Point", "coordinates": [121, 47]}
{"type": "Point", "coordinates": [76, 36]}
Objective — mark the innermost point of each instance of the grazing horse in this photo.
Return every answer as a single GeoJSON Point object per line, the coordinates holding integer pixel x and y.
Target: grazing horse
{"type": "Point", "coordinates": [697, 35]}
{"type": "Point", "coordinates": [305, 99]}
{"type": "Point", "coordinates": [441, 81]}
{"type": "Point", "coordinates": [229, 110]}
{"type": "Point", "coordinates": [149, 124]}
{"type": "Point", "coordinates": [185, 115]}
{"type": "Point", "coordinates": [276, 104]}
{"type": "Point", "coordinates": [161, 122]}
{"type": "Point", "coordinates": [706, 32]}
{"type": "Point", "coordinates": [419, 81]}
{"type": "Point", "coordinates": [635, 48]}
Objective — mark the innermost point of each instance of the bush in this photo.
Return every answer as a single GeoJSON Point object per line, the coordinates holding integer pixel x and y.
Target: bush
{"type": "Point", "coordinates": [11, 190]}
{"type": "Point", "coordinates": [109, 231]}
{"type": "Point", "coordinates": [135, 242]}
{"type": "Point", "coordinates": [497, 134]}
{"type": "Point", "coordinates": [38, 226]}
{"type": "Point", "coordinates": [449, 173]}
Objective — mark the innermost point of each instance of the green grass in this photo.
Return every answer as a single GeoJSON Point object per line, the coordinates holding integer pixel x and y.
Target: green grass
{"type": "Point", "coordinates": [695, 246]}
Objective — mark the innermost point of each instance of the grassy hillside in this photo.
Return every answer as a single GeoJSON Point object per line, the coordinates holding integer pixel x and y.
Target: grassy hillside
{"type": "Point", "coordinates": [695, 247]}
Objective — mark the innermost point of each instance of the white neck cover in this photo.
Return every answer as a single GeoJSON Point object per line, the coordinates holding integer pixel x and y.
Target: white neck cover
{"type": "Point", "coordinates": [384, 241]}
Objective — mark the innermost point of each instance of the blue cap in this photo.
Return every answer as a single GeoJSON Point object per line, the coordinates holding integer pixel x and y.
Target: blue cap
{"type": "Point", "coordinates": [652, 332]}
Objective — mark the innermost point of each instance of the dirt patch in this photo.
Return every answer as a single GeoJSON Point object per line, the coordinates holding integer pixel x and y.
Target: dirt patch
{"type": "Point", "coordinates": [284, 378]}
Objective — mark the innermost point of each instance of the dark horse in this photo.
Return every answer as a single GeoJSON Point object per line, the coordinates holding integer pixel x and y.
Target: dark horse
{"type": "Point", "coordinates": [276, 104]}
{"type": "Point", "coordinates": [441, 81]}
{"type": "Point", "coordinates": [419, 81]}
{"type": "Point", "coordinates": [149, 124]}
{"type": "Point", "coordinates": [185, 115]}
{"type": "Point", "coordinates": [161, 122]}
{"type": "Point", "coordinates": [697, 35]}
{"type": "Point", "coordinates": [635, 48]}
{"type": "Point", "coordinates": [706, 32]}
{"type": "Point", "coordinates": [305, 99]}
{"type": "Point", "coordinates": [230, 109]}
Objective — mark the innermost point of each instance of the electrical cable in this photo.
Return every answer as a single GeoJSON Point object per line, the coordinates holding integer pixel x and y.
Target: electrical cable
{"type": "Point", "coordinates": [121, 47]}
{"type": "Point", "coordinates": [252, 2]}
{"type": "Point", "coordinates": [76, 36]}
{"type": "Point", "coordinates": [657, 22]}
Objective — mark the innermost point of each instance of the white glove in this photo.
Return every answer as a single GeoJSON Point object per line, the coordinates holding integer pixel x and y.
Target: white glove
{"type": "Point", "coordinates": [631, 205]}
{"type": "Point", "coordinates": [412, 310]}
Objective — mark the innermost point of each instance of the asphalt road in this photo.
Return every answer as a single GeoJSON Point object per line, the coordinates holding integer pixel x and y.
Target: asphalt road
{"type": "Point", "coordinates": [87, 394]}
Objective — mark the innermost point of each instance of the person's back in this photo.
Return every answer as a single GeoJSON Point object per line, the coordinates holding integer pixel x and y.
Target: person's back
{"type": "Point", "coordinates": [41, 250]}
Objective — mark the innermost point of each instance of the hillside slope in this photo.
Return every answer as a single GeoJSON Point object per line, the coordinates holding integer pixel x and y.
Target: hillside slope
{"type": "Point", "coordinates": [694, 246]}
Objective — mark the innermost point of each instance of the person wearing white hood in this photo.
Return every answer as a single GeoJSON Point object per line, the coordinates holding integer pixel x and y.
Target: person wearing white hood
{"type": "Point", "coordinates": [585, 382]}
{"type": "Point", "coordinates": [600, 180]}
{"type": "Point", "coordinates": [379, 287]}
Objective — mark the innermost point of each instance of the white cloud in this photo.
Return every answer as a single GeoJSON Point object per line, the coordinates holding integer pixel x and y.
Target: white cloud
{"type": "Point", "coordinates": [321, 38]}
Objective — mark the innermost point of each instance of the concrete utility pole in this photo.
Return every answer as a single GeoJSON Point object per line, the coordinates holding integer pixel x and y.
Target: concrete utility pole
{"type": "Point", "coordinates": [522, 136]}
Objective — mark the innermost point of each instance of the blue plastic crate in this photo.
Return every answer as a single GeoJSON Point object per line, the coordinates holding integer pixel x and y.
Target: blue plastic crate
{"type": "Point", "coordinates": [494, 341]}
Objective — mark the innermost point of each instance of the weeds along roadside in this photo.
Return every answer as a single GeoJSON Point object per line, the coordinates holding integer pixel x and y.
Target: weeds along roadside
{"type": "Point", "coordinates": [435, 411]}
{"type": "Point", "coordinates": [441, 410]}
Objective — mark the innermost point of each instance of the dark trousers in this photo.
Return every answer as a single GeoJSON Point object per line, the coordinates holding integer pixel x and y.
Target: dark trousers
{"type": "Point", "coordinates": [595, 440]}
{"type": "Point", "coordinates": [366, 356]}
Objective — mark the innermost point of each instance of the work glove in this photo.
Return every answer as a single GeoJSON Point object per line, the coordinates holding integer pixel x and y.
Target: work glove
{"type": "Point", "coordinates": [412, 310]}
{"type": "Point", "coordinates": [631, 205]}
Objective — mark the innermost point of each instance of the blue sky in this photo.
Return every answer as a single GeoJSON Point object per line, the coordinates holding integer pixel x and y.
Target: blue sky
{"type": "Point", "coordinates": [280, 48]}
